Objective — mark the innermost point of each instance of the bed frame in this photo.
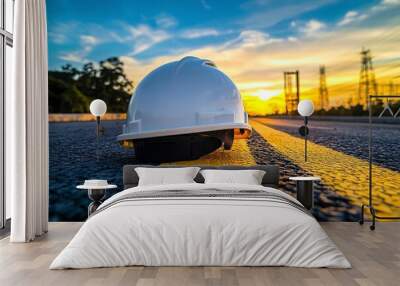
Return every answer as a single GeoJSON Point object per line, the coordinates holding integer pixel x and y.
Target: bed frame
{"type": "Point", "coordinates": [270, 179]}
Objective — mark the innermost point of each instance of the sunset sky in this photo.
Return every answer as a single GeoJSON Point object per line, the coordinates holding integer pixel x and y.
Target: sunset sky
{"type": "Point", "coordinates": [252, 41]}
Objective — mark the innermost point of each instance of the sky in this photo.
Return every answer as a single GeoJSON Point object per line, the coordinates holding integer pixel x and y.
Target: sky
{"type": "Point", "coordinates": [252, 41]}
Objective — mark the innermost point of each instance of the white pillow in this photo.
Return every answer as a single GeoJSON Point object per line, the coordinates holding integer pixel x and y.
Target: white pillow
{"type": "Point", "coordinates": [165, 176]}
{"type": "Point", "coordinates": [248, 177]}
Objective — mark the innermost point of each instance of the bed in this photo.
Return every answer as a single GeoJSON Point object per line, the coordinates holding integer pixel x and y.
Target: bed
{"type": "Point", "coordinates": [199, 224]}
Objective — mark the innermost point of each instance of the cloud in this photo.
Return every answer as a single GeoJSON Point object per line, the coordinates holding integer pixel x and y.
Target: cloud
{"type": "Point", "coordinates": [252, 39]}
{"type": "Point", "coordinates": [87, 43]}
{"type": "Point", "coordinates": [352, 16]}
{"type": "Point", "coordinates": [267, 13]}
{"type": "Point", "coordinates": [79, 56]}
{"type": "Point", "coordinates": [205, 4]}
{"type": "Point", "coordinates": [87, 37]}
{"type": "Point", "coordinates": [57, 38]}
{"type": "Point", "coordinates": [312, 27]}
{"type": "Point", "coordinates": [199, 33]}
{"type": "Point", "coordinates": [385, 4]}
{"type": "Point", "coordinates": [144, 37]}
{"type": "Point", "coordinates": [59, 33]}
{"type": "Point", "coordinates": [390, 2]}
{"type": "Point", "coordinates": [89, 40]}
{"type": "Point", "coordinates": [74, 57]}
{"type": "Point", "coordinates": [355, 16]}
{"type": "Point", "coordinates": [166, 21]}
{"type": "Point", "coordinates": [114, 36]}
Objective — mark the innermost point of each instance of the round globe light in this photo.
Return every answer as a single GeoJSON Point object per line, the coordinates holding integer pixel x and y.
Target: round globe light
{"type": "Point", "coordinates": [305, 107]}
{"type": "Point", "coordinates": [98, 107]}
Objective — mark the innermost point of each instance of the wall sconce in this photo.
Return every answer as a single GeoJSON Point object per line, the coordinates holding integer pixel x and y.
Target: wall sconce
{"type": "Point", "coordinates": [98, 108]}
{"type": "Point", "coordinates": [305, 109]}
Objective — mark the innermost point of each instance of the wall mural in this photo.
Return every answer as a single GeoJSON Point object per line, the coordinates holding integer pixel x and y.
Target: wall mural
{"type": "Point", "coordinates": [215, 82]}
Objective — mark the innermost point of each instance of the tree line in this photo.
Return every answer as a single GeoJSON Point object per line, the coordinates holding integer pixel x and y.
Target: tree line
{"type": "Point", "coordinates": [71, 90]}
{"type": "Point", "coordinates": [358, 110]}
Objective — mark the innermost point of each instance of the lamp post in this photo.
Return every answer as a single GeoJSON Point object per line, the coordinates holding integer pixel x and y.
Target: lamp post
{"type": "Point", "coordinates": [98, 108]}
{"type": "Point", "coordinates": [305, 109]}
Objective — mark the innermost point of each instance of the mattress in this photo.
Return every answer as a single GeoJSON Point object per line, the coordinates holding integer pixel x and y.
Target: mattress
{"type": "Point", "coordinates": [201, 225]}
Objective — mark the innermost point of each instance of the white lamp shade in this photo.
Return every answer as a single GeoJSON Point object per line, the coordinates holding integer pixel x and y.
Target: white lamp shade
{"type": "Point", "coordinates": [305, 107]}
{"type": "Point", "coordinates": [98, 107]}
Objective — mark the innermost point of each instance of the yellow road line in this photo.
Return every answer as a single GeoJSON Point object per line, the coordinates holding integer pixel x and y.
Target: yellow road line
{"type": "Point", "coordinates": [239, 155]}
{"type": "Point", "coordinates": [345, 174]}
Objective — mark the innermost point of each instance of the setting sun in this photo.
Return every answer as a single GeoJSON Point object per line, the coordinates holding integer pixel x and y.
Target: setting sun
{"type": "Point", "coordinates": [266, 94]}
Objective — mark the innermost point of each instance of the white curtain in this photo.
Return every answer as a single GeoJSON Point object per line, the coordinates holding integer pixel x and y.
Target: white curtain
{"type": "Point", "coordinates": [27, 124]}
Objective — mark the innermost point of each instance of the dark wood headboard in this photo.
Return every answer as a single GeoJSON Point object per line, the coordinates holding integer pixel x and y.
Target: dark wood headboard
{"type": "Point", "coordinates": [271, 177]}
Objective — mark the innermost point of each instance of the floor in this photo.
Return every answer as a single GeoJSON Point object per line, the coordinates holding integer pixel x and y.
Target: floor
{"type": "Point", "coordinates": [375, 257]}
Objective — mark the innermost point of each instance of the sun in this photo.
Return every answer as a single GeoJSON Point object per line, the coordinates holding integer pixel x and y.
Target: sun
{"type": "Point", "coordinates": [265, 95]}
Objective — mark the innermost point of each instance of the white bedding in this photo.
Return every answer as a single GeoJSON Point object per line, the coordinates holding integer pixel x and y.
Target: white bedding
{"type": "Point", "coordinates": [200, 231]}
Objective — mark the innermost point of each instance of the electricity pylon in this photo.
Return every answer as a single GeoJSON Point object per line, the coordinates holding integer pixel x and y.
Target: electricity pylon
{"type": "Point", "coordinates": [323, 90]}
{"type": "Point", "coordinates": [367, 83]}
{"type": "Point", "coordinates": [291, 98]}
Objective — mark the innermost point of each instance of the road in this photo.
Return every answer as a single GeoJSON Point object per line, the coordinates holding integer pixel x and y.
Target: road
{"type": "Point", "coordinates": [350, 138]}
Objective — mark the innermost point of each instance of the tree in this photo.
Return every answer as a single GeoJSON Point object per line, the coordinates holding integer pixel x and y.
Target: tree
{"type": "Point", "coordinates": [113, 84]}
{"type": "Point", "coordinates": [66, 98]}
{"type": "Point", "coordinates": [71, 89]}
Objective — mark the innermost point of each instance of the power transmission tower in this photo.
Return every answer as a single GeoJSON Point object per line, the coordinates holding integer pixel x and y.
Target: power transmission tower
{"type": "Point", "coordinates": [291, 98]}
{"type": "Point", "coordinates": [367, 83]}
{"type": "Point", "coordinates": [323, 90]}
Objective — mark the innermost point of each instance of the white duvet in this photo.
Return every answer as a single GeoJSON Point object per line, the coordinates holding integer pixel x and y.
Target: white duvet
{"type": "Point", "coordinates": [200, 231]}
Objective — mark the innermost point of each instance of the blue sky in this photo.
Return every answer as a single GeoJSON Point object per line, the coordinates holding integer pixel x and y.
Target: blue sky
{"type": "Point", "coordinates": [253, 41]}
{"type": "Point", "coordinates": [175, 25]}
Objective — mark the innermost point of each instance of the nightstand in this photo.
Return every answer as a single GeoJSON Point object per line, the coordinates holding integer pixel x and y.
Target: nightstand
{"type": "Point", "coordinates": [96, 192]}
{"type": "Point", "coordinates": [305, 190]}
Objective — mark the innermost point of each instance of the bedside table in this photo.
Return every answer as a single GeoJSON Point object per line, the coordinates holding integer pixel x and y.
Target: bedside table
{"type": "Point", "coordinates": [96, 192]}
{"type": "Point", "coordinates": [305, 190]}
